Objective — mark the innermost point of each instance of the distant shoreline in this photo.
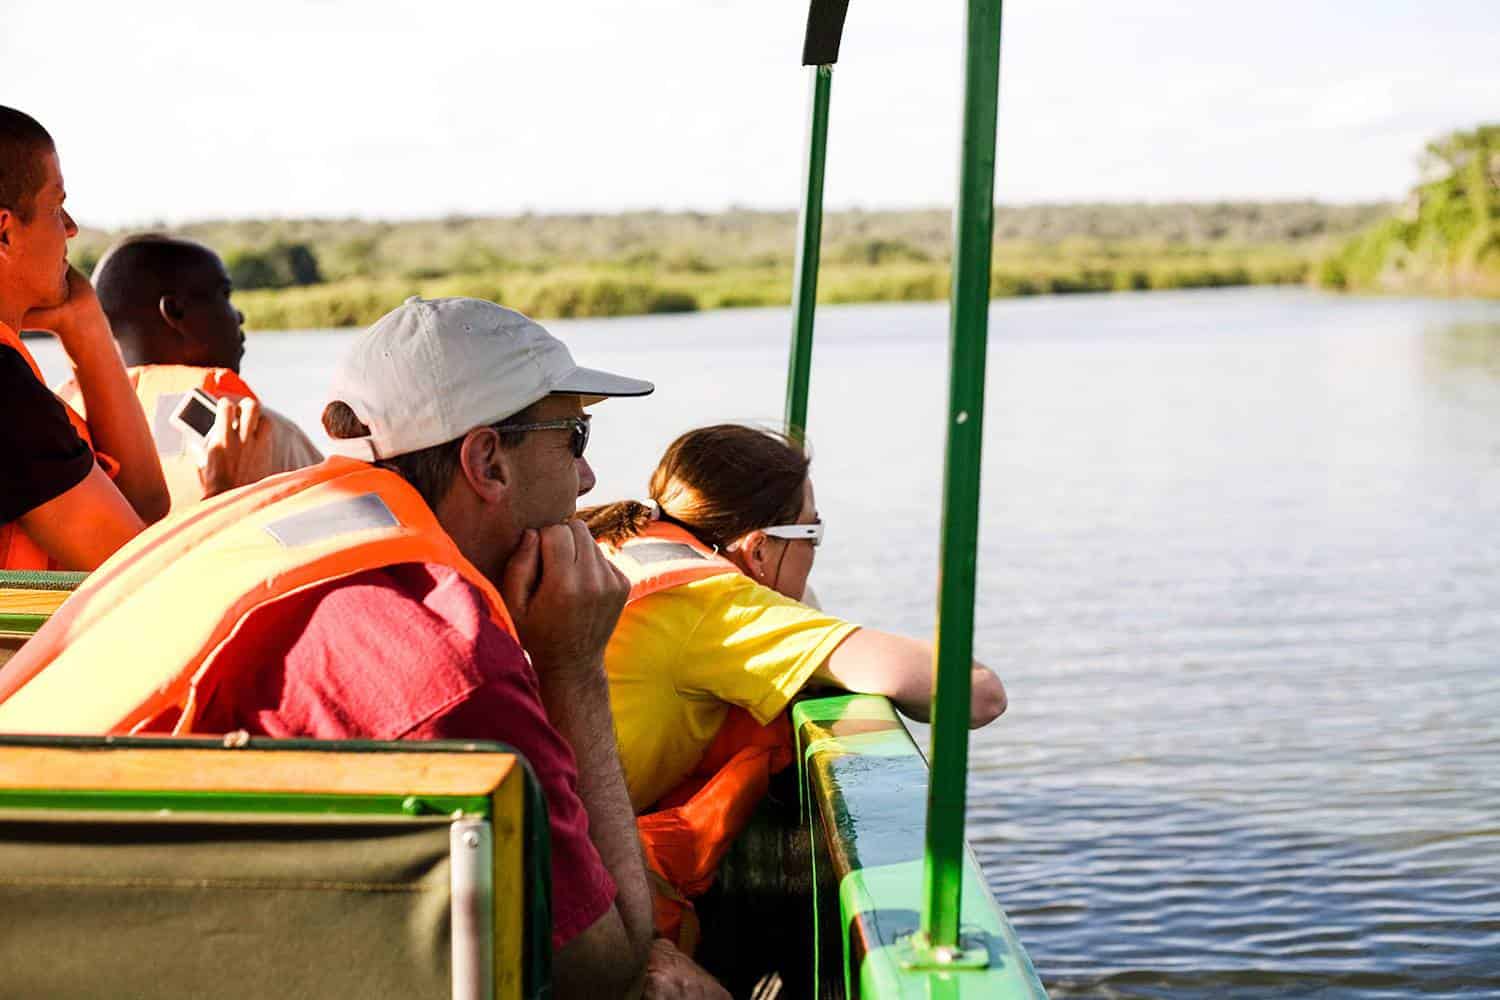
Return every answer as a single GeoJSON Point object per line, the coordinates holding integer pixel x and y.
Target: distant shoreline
{"type": "Point", "coordinates": [322, 273]}
{"type": "Point", "coordinates": [616, 293]}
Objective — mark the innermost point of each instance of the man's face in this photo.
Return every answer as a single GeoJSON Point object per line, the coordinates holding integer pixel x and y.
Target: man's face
{"type": "Point", "coordinates": [549, 480]}
{"type": "Point", "coordinates": [209, 319]}
{"type": "Point", "coordinates": [38, 248]}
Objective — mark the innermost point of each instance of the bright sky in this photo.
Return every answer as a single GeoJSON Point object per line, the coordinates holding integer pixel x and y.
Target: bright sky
{"type": "Point", "coordinates": [166, 110]}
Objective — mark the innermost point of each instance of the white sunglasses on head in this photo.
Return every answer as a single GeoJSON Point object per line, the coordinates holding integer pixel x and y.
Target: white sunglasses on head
{"type": "Point", "coordinates": [811, 532]}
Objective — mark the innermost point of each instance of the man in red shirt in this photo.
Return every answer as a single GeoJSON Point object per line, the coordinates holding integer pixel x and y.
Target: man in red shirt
{"type": "Point", "coordinates": [481, 411]}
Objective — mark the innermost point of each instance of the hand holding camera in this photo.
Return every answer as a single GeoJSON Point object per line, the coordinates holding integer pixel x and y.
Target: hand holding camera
{"type": "Point", "coordinates": [231, 442]}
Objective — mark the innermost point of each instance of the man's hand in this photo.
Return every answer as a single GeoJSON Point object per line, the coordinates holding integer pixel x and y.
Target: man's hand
{"type": "Point", "coordinates": [564, 596]}
{"type": "Point", "coordinates": [79, 316]}
{"type": "Point", "coordinates": [237, 450]}
{"type": "Point", "coordinates": [116, 422]}
{"type": "Point", "coordinates": [671, 975]}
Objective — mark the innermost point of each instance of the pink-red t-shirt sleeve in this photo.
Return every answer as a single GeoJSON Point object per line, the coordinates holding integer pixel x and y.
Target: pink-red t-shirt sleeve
{"type": "Point", "coordinates": [582, 888]}
{"type": "Point", "coordinates": [410, 652]}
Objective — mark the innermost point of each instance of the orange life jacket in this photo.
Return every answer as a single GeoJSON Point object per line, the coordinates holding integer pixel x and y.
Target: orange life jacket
{"type": "Point", "coordinates": [692, 827]}
{"type": "Point", "coordinates": [17, 550]}
{"type": "Point", "coordinates": [134, 648]}
{"type": "Point", "coordinates": [160, 388]}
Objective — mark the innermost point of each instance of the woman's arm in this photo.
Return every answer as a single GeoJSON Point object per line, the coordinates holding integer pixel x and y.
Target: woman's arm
{"type": "Point", "coordinates": [873, 662]}
{"type": "Point", "coordinates": [116, 421]}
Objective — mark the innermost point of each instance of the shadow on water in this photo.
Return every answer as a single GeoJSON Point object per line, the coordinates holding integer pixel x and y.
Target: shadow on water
{"type": "Point", "coordinates": [1121, 892]}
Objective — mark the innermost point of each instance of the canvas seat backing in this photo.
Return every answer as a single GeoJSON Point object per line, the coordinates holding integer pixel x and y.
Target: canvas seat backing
{"type": "Point", "coordinates": [172, 868]}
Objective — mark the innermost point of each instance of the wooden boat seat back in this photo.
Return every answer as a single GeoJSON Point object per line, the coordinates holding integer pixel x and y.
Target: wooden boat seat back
{"type": "Point", "coordinates": [188, 868]}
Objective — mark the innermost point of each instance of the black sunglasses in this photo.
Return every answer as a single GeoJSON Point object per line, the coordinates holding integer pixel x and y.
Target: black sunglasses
{"type": "Point", "coordinates": [578, 425]}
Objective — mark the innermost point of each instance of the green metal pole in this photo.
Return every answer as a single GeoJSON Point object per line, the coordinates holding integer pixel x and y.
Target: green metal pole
{"type": "Point", "coordinates": [809, 245]}
{"type": "Point", "coordinates": [974, 230]}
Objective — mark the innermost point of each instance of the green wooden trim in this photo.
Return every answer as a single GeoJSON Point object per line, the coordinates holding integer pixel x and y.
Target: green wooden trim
{"type": "Point", "coordinates": [31, 579]}
{"type": "Point", "coordinates": [251, 802]}
{"type": "Point", "coordinates": [860, 775]}
{"type": "Point", "coordinates": [245, 802]}
{"type": "Point", "coordinates": [537, 981]}
{"type": "Point", "coordinates": [257, 743]}
{"type": "Point", "coordinates": [21, 625]}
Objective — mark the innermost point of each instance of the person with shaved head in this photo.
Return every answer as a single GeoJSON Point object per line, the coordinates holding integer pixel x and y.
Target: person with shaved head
{"type": "Point", "coordinates": [72, 492]}
{"type": "Point", "coordinates": [168, 303]}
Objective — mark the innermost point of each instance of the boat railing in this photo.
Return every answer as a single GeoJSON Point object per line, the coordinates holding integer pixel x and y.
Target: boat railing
{"type": "Point", "coordinates": [861, 774]}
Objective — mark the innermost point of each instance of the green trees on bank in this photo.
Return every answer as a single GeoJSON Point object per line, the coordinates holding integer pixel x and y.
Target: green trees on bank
{"type": "Point", "coordinates": [1446, 239]}
{"type": "Point", "coordinates": [280, 265]}
{"type": "Point", "coordinates": [312, 273]}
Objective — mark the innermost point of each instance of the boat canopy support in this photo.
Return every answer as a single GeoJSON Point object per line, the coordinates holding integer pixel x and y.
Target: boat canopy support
{"type": "Point", "coordinates": [809, 253]}
{"type": "Point", "coordinates": [820, 50]}
{"type": "Point", "coordinates": [938, 943]}
{"type": "Point", "coordinates": [825, 30]}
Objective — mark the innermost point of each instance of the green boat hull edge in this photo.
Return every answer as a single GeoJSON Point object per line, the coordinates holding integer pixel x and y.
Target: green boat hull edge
{"type": "Point", "coordinates": [861, 778]}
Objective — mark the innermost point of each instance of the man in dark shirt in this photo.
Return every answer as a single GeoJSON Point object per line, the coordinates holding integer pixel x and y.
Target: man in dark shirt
{"type": "Point", "coordinates": [58, 508]}
{"type": "Point", "coordinates": [45, 456]}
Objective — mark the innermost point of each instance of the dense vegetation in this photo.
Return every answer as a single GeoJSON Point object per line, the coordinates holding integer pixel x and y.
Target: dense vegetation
{"type": "Point", "coordinates": [1445, 239]}
{"type": "Point", "coordinates": [301, 273]}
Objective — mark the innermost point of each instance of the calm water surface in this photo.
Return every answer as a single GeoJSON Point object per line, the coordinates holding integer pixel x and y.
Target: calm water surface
{"type": "Point", "coordinates": [1240, 572]}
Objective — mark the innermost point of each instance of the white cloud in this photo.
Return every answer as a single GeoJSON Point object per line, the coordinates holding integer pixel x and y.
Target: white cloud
{"type": "Point", "coordinates": [168, 110]}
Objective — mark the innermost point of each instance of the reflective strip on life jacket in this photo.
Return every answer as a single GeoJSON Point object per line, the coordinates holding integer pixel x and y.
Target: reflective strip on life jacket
{"type": "Point", "coordinates": [17, 550]}
{"type": "Point", "coordinates": [135, 647]}
{"type": "Point", "coordinates": [160, 388]}
{"type": "Point", "coordinates": [693, 826]}
{"type": "Point", "coordinates": [664, 556]}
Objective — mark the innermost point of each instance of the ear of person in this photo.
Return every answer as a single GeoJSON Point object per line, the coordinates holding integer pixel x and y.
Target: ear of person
{"type": "Point", "coordinates": [758, 554]}
{"type": "Point", "coordinates": [172, 313]}
{"type": "Point", "coordinates": [483, 461]}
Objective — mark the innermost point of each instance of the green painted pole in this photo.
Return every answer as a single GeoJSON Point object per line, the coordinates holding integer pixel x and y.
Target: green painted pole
{"type": "Point", "coordinates": [809, 246]}
{"type": "Point", "coordinates": [974, 226]}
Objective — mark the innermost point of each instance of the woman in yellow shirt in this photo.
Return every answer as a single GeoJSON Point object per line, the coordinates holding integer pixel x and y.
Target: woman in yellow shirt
{"type": "Point", "coordinates": [682, 656]}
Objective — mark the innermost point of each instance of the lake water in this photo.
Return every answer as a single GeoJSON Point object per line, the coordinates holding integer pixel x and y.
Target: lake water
{"type": "Point", "coordinates": [1240, 571]}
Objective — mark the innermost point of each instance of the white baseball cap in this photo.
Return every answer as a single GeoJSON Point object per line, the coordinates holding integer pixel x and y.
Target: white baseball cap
{"type": "Point", "coordinates": [431, 370]}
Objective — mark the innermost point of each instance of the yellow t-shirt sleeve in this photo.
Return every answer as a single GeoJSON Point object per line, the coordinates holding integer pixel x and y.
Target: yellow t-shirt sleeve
{"type": "Point", "coordinates": [752, 647]}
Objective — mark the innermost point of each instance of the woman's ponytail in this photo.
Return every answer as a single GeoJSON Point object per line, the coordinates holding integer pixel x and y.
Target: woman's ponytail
{"type": "Point", "coordinates": [616, 523]}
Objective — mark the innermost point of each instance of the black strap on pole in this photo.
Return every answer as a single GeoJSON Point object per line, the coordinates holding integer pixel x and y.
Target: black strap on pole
{"type": "Point", "coordinates": [825, 29]}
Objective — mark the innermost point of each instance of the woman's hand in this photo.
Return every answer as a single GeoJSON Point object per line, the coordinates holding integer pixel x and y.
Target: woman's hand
{"type": "Point", "coordinates": [873, 662]}
{"type": "Point", "coordinates": [987, 701]}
